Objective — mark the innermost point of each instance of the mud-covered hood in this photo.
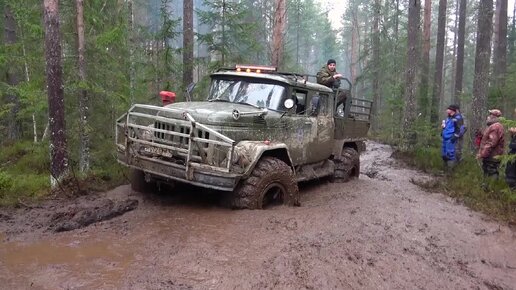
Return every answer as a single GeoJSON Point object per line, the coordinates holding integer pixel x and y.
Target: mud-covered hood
{"type": "Point", "coordinates": [218, 113]}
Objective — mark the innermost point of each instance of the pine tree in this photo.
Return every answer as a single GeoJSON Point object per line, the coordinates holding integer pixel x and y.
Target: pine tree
{"type": "Point", "coordinates": [54, 72]}
{"type": "Point", "coordinates": [409, 113]}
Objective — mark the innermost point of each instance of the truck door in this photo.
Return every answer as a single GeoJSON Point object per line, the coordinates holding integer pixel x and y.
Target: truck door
{"type": "Point", "coordinates": [299, 132]}
{"type": "Point", "coordinates": [321, 119]}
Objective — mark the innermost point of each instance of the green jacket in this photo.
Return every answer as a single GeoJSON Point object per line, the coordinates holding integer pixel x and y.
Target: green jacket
{"type": "Point", "coordinates": [325, 77]}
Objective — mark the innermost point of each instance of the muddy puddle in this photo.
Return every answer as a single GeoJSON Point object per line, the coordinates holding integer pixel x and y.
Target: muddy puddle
{"type": "Point", "coordinates": [65, 262]}
{"type": "Point", "coordinates": [378, 232]}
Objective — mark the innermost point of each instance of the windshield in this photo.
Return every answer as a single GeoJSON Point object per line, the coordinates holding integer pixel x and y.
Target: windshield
{"type": "Point", "coordinates": [263, 95]}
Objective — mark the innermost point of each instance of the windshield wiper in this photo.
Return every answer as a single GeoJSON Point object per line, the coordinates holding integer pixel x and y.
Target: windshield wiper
{"type": "Point", "coordinates": [252, 105]}
{"type": "Point", "coordinates": [219, 100]}
{"type": "Point", "coordinates": [261, 108]}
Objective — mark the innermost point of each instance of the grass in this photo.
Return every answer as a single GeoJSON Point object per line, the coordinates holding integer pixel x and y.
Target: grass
{"type": "Point", "coordinates": [25, 174]}
{"type": "Point", "coordinates": [465, 182]}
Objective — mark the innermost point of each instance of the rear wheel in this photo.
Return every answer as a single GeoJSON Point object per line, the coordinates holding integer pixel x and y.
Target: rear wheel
{"type": "Point", "coordinates": [271, 182]}
{"type": "Point", "coordinates": [139, 184]}
{"type": "Point", "coordinates": [347, 166]}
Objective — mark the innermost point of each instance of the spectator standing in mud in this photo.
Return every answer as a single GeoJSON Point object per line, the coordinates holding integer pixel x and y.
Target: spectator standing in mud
{"type": "Point", "coordinates": [452, 131]}
{"type": "Point", "coordinates": [492, 144]}
{"type": "Point", "coordinates": [328, 75]}
{"type": "Point", "coordinates": [510, 170]}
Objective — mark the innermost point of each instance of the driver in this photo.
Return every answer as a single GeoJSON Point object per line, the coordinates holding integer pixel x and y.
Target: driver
{"type": "Point", "coordinates": [328, 75]}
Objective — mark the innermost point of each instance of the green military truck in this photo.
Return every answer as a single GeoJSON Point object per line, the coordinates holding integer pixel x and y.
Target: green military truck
{"type": "Point", "coordinates": [258, 134]}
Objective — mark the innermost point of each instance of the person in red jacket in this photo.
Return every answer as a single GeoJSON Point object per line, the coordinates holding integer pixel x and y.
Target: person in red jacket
{"type": "Point", "coordinates": [492, 144]}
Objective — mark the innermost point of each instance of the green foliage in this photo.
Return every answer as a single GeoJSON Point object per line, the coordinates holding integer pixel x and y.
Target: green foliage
{"type": "Point", "coordinates": [428, 159]}
{"type": "Point", "coordinates": [486, 194]}
{"type": "Point", "coordinates": [6, 182]}
{"type": "Point", "coordinates": [110, 37]}
{"type": "Point", "coordinates": [309, 33]}
{"type": "Point", "coordinates": [465, 182]}
{"type": "Point", "coordinates": [233, 33]}
{"type": "Point", "coordinates": [24, 172]}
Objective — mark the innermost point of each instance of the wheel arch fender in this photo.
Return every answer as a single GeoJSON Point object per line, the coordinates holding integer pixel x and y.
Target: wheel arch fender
{"type": "Point", "coordinates": [358, 145]}
{"type": "Point", "coordinates": [248, 153]}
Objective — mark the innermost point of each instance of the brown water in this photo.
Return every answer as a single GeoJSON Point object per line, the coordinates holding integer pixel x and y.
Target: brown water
{"type": "Point", "coordinates": [63, 262]}
{"type": "Point", "coordinates": [371, 233]}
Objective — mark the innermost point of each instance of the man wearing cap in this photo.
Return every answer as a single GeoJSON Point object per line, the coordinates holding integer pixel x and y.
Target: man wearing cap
{"type": "Point", "coordinates": [328, 75]}
{"type": "Point", "coordinates": [451, 132]}
{"type": "Point", "coordinates": [492, 144]}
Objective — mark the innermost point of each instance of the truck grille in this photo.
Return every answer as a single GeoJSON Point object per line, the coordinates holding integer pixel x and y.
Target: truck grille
{"type": "Point", "coordinates": [177, 139]}
{"type": "Point", "coordinates": [173, 137]}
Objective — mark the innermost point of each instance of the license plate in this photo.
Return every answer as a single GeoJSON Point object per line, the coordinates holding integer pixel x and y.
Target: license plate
{"type": "Point", "coordinates": [158, 151]}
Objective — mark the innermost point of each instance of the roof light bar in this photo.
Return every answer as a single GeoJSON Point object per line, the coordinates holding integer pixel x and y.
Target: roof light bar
{"type": "Point", "coordinates": [254, 68]}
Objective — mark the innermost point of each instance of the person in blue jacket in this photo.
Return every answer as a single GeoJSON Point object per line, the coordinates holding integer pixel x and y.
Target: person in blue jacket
{"type": "Point", "coordinates": [452, 129]}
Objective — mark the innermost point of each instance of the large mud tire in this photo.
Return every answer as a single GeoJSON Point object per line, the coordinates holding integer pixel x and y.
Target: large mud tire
{"type": "Point", "coordinates": [347, 166]}
{"type": "Point", "coordinates": [272, 180]}
{"type": "Point", "coordinates": [139, 184]}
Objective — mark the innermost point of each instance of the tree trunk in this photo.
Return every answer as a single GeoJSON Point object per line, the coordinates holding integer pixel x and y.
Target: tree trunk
{"type": "Point", "coordinates": [461, 36]}
{"type": "Point", "coordinates": [439, 63]}
{"type": "Point", "coordinates": [27, 79]}
{"type": "Point", "coordinates": [376, 64]}
{"type": "Point", "coordinates": [298, 28]}
{"type": "Point", "coordinates": [132, 66]}
{"type": "Point", "coordinates": [54, 74]}
{"type": "Point", "coordinates": [409, 114]}
{"type": "Point", "coordinates": [513, 32]}
{"type": "Point", "coordinates": [354, 48]}
{"type": "Point", "coordinates": [188, 42]}
{"type": "Point", "coordinates": [482, 58]}
{"type": "Point", "coordinates": [280, 21]}
{"type": "Point", "coordinates": [454, 58]}
{"type": "Point", "coordinates": [12, 76]}
{"type": "Point", "coordinates": [397, 21]}
{"type": "Point", "coordinates": [500, 43]}
{"type": "Point", "coordinates": [425, 64]}
{"type": "Point", "coordinates": [223, 43]}
{"type": "Point", "coordinates": [84, 103]}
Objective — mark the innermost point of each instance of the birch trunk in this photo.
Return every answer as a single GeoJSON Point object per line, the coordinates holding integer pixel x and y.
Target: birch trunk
{"type": "Point", "coordinates": [84, 103]}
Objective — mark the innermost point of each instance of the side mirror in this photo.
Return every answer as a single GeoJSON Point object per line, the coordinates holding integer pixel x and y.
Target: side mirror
{"type": "Point", "coordinates": [289, 103]}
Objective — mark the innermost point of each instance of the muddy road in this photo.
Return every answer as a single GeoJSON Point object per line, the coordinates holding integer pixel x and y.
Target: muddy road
{"type": "Point", "coordinates": [377, 232]}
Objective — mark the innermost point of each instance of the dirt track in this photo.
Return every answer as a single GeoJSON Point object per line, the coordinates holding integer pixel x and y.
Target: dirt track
{"type": "Point", "coordinates": [378, 232]}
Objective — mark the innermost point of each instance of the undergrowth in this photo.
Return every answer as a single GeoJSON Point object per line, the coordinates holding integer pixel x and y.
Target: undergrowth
{"type": "Point", "coordinates": [25, 174]}
{"type": "Point", "coordinates": [466, 182]}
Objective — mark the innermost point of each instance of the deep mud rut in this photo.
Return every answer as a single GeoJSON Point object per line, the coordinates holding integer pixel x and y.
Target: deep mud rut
{"type": "Point", "coordinates": [377, 232]}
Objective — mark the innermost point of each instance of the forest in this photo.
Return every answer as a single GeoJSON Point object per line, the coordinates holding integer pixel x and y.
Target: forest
{"type": "Point", "coordinates": [71, 68]}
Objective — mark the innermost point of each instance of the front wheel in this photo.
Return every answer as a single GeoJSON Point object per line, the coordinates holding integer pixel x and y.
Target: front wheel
{"type": "Point", "coordinates": [139, 184]}
{"type": "Point", "coordinates": [272, 181]}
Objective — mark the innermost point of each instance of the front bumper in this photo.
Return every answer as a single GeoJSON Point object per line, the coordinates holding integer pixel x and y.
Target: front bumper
{"type": "Point", "coordinates": [167, 172]}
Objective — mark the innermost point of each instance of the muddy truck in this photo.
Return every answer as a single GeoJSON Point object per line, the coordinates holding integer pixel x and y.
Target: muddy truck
{"type": "Point", "coordinates": [257, 135]}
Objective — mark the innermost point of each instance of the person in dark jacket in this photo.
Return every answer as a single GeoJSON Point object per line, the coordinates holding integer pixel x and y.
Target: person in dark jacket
{"type": "Point", "coordinates": [492, 144]}
{"type": "Point", "coordinates": [510, 170]}
{"type": "Point", "coordinates": [451, 133]}
{"type": "Point", "coordinates": [328, 75]}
